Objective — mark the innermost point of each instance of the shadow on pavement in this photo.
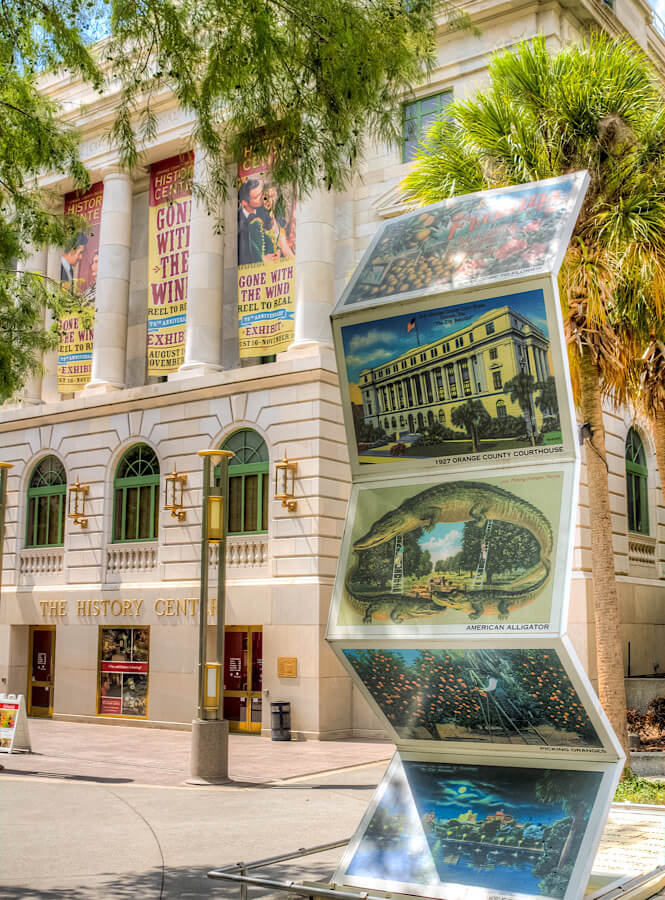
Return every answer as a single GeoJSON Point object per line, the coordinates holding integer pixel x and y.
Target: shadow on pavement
{"type": "Point", "coordinates": [183, 882]}
{"type": "Point", "coordinates": [60, 776]}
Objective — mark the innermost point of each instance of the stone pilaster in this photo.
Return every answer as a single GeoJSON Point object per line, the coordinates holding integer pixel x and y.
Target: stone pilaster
{"type": "Point", "coordinates": [32, 392]}
{"type": "Point", "coordinates": [112, 295]}
{"type": "Point", "coordinates": [315, 269]}
{"type": "Point", "coordinates": [205, 287]}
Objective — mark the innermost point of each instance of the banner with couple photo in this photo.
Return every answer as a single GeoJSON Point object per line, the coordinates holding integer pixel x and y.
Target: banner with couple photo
{"type": "Point", "coordinates": [266, 261]}
{"type": "Point", "coordinates": [78, 274]}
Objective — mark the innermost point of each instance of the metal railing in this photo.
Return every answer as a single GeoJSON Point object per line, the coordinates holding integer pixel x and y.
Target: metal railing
{"type": "Point", "coordinates": [622, 889]}
{"type": "Point", "coordinates": [237, 874]}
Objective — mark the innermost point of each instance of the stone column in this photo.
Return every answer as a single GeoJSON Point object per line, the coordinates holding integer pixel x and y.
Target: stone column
{"type": "Point", "coordinates": [50, 378]}
{"type": "Point", "coordinates": [205, 287]}
{"type": "Point", "coordinates": [32, 392]}
{"type": "Point", "coordinates": [315, 268]}
{"type": "Point", "coordinates": [109, 350]}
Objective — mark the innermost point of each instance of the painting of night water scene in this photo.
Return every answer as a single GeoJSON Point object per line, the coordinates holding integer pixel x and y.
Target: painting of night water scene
{"type": "Point", "coordinates": [517, 831]}
{"type": "Point", "coordinates": [506, 696]}
{"type": "Point", "coordinates": [463, 379]}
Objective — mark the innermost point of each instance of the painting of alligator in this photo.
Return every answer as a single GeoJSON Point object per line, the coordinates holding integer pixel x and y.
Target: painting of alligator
{"type": "Point", "coordinates": [504, 546]}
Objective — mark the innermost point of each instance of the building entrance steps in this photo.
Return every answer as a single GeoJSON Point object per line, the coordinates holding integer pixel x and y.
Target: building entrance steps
{"type": "Point", "coordinates": [161, 757]}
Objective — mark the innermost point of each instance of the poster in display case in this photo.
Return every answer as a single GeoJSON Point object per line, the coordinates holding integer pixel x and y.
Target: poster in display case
{"type": "Point", "coordinates": [481, 829]}
{"type": "Point", "coordinates": [458, 380]}
{"type": "Point", "coordinates": [481, 238]}
{"type": "Point", "coordinates": [520, 697]}
{"type": "Point", "coordinates": [123, 672]}
{"type": "Point", "coordinates": [451, 554]}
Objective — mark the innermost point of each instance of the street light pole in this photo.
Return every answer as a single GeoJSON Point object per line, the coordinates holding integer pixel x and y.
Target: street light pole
{"type": "Point", "coordinates": [210, 731]}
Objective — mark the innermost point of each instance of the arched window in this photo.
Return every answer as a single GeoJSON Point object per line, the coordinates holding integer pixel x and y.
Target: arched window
{"type": "Point", "coordinates": [501, 409]}
{"type": "Point", "coordinates": [442, 417]}
{"type": "Point", "coordinates": [136, 496]}
{"type": "Point", "coordinates": [637, 484]}
{"type": "Point", "coordinates": [45, 526]}
{"type": "Point", "coordinates": [249, 483]}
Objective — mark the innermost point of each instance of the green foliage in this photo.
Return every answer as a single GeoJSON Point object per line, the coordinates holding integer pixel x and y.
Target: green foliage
{"type": "Point", "coordinates": [375, 566]}
{"type": "Point", "coordinates": [510, 548]}
{"type": "Point", "coordinates": [597, 106]}
{"type": "Point", "coordinates": [310, 81]}
{"type": "Point", "coordinates": [472, 417]}
{"type": "Point", "coordinates": [634, 789]}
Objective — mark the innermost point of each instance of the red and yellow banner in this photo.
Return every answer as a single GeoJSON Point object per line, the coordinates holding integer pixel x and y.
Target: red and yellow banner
{"type": "Point", "coordinates": [168, 262]}
{"type": "Point", "coordinates": [78, 274]}
{"type": "Point", "coordinates": [266, 261]}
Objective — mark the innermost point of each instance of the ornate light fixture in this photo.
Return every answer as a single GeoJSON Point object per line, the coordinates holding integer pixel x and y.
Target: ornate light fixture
{"type": "Point", "coordinates": [174, 488]}
{"type": "Point", "coordinates": [76, 506]}
{"type": "Point", "coordinates": [285, 472]}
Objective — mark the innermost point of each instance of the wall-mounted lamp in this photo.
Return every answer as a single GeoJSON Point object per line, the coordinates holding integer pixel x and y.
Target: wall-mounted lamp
{"type": "Point", "coordinates": [76, 508]}
{"type": "Point", "coordinates": [285, 473]}
{"type": "Point", "coordinates": [174, 489]}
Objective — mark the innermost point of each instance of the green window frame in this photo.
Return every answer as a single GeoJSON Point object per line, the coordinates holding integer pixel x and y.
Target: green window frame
{"type": "Point", "coordinates": [418, 118]}
{"type": "Point", "coordinates": [47, 502]}
{"type": "Point", "coordinates": [136, 496]}
{"type": "Point", "coordinates": [249, 483]}
{"type": "Point", "coordinates": [637, 484]}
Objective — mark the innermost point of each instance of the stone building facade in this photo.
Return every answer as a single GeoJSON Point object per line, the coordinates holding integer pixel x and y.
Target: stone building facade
{"type": "Point", "coordinates": [75, 597]}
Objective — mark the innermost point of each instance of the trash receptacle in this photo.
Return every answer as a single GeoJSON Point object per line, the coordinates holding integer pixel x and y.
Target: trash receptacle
{"type": "Point", "coordinates": [280, 714]}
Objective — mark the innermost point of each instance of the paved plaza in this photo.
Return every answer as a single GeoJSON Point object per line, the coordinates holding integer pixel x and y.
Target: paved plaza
{"type": "Point", "coordinates": [103, 812]}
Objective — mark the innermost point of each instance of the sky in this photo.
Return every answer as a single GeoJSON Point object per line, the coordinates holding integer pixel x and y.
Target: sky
{"type": "Point", "coordinates": [443, 541]}
{"type": "Point", "coordinates": [370, 344]}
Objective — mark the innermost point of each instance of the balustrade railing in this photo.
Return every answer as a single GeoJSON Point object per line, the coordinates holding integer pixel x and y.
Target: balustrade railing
{"type": "Point", "coordinates": [642, 550]}
{"type": "Point", "coordinates": [139, 557]}
{"type": "Point", "coordinates": [42, 561]}
{"type": "Point", "coordinates": [247, 551]}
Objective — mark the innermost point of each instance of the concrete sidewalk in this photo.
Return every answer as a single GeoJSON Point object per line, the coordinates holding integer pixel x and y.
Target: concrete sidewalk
{"type": "Point", "coordinates": [101, 813]}
{"type": "Point", "coordinates": [124, 754]}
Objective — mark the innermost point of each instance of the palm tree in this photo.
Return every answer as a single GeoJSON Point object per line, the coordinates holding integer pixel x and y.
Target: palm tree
{"type": "Point", "coordinates": [521, 388]}
{"type": "Point", "coordinates": [470, 416]}
{"type": "Point", "coordinates": [595, 106]}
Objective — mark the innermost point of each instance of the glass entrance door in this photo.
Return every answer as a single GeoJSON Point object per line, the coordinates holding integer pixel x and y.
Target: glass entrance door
{"type": "Point", "coordinates": [41, 669]}
{"type": "Point", "coordinates": [243, 668]}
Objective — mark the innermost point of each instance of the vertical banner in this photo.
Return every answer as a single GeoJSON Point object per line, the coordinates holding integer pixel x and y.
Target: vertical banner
{"type": "Point", "coordinates": [78, 274]}
{"type": "Point", "coordinates": [168, 262]}
{"type": "Point", "coordinates": [266, 261]}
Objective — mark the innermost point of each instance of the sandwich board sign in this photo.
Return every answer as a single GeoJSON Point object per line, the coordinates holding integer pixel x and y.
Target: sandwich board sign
{"type": "Point", "coordinates": [14, 734]}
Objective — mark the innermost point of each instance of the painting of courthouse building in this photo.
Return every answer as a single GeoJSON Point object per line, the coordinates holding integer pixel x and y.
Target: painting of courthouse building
{"type": "Point", "coordinates": [422, 387]}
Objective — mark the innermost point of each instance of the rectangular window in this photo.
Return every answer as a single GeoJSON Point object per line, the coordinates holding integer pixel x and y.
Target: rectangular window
{"type": "Point", "coordinates": [459, 342]}
{"type": "Point", "coordinates": [489, 328]}
{"type": "Point", "coordinates": [433, 352]}
{"type": "Point", "coordinates": [419, 116]}
{"type": "Point", "coordinates": [452, 384]}
{"type": "Point", "coordinates": [466, 381]}
{"type": "Point", "coordinates": [123, 662]}
{"type": "Point", "coordinates": [494, 353]}
{"type": "Point", "coordinates": [498, 382]}
{"type": "Point", "coordinates": [471, 337]}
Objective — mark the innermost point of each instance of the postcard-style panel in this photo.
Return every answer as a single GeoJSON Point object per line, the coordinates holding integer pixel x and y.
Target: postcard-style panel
{"type": "Point", "coordinates": [482, 555]}
{"type": "Point", "coordinates": [464, 831]}
{"type": "Point", "coordinates": [515, 699]}
{"type": "Point", "coordinates": [481, 380]}
{"type": "Point", "coordinates": [480, 238]}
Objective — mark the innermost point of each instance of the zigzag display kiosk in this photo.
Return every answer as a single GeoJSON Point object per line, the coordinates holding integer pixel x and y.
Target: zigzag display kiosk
{"type": "Point", "coordinates": [450, 602]}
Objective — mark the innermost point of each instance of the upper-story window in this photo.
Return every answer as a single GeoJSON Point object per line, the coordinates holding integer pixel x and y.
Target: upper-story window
{"type": "Point", "coordinates": [136, 496]}
{"type": "Point", "coordinates": [248, 483]}
{"type": "Point", "coordinates": [637, 484]}
{"type": "Point", "coordinates": [419, 117]}
{"type": "Point", "coordinates": [489, 328]}
{"type": "Point", "coordinates": [47, 489]}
